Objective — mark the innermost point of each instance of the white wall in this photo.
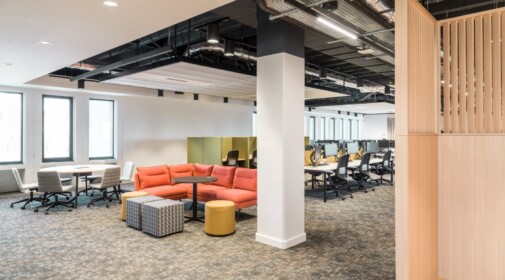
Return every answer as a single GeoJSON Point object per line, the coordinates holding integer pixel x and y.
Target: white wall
{"type": "Point", "coordinates": [376, 126]}
{"type": "Point", "coordinates": [150, 130]}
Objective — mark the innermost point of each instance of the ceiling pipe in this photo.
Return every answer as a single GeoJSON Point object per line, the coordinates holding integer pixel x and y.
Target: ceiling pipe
{"type": "Point", "coordinates": [219, 48]}
{"type": "Point", "coordinates": [288, 12]}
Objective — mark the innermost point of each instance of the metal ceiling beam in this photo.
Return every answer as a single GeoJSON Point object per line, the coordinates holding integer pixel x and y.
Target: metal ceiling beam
{"type": "Point", "coordinates": [348, 100]}
{"type": "Point", "coordinates": [124, 62]}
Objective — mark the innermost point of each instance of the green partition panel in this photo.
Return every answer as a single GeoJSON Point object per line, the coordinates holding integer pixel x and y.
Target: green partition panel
{"type": "Point", "coordinates": [307, 140]}
{"type": "Point", "coordinates": [195, 149]}
{"type": "Point", "coordinates": [241, 145]}
{"type": "Point", "coordinates": [212, 150]}
{"type": "Point", "coordinates": [226, 146]}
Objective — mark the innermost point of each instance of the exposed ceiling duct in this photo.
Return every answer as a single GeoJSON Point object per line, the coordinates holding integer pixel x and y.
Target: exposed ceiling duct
{"type": "Point", "coordinates": [220, 48]}
{"type": "Point", "coordinates": [381, 8]}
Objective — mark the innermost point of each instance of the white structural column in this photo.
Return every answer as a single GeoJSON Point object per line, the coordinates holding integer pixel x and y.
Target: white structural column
{"type": "Point", "coordinates": [280, 96]}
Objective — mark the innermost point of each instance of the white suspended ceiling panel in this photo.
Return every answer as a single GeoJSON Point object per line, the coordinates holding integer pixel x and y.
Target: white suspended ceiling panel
{"type": "Point", "coordinates": [78, 29]}
{"type": "Point", "coordinates": [192, 78]}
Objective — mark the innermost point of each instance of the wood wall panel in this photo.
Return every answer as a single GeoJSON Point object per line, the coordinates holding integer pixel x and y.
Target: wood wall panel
{"type": "Point", "coordinates": [479, 65]}
{"type": "Point", "coordinates": [417, 114]}
{"type": "Point", "coordinates": [470, 77]}
{"type": "Point", "coordinates": [473, 66]}
{"type": "Point", "coordinates": [447, 76]}
{"type": "Point", "coordinates": [471, 207]}
{"type": "Point", "coordinates": [423, 207]}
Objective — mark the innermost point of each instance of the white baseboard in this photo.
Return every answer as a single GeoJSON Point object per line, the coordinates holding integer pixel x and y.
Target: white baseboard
{"type": "Point", "coordinates": [281, 244]}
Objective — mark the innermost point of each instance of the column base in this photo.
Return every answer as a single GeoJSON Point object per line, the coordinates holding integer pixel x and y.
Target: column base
{"type": "Point", "coordinates": [281, 244]}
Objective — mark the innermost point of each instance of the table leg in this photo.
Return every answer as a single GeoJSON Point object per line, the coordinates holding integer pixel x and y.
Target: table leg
{"type": "Point", "coordinates": [76, 189]}
{"type": "Point", "coordinates": [324, 184]}
{"type": "Point", "coordinates": [195, 202]}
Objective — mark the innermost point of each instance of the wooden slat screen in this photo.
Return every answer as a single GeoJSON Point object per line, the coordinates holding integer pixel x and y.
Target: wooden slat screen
{"type": "Point", "coordinates": [473, 76]}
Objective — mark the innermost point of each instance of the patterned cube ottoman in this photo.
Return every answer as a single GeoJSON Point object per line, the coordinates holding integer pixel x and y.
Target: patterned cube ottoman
{"type": "Point", "coordinates": [134, 209]}
{"type": "Point", "coordinates": [162, 217]}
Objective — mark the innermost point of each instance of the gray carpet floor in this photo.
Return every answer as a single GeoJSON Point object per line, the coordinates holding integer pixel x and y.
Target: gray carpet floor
{"type": "Point", "coordinates": [351, 239]}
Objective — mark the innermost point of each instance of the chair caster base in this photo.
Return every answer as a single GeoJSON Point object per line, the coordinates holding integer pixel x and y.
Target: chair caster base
{"type": "Point", "coordinates": [12, 206]}
{"type": "Point", "coordinates": [69, 210]}
{"type": "Point", "coordinates": [36, 210]}
{"type": "Point", "coordinates": [47, 213]}
{"type": "Point", "coordinates": [23, 208]}
{"type": "Point", "coordinates": [89, 206]}
{"type": "Point", "coordinates": [107, 205]}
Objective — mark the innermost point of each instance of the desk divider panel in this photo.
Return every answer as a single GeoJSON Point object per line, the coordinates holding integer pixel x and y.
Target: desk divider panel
{"type": "Point", "coordinates": [226, 146]}
{"type": "Point", "coordinates": [195, 149]}
{"type": "Point", "coordinates": [212, 150]}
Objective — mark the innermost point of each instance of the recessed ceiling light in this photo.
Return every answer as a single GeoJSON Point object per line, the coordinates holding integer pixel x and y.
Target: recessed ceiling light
{"type": "Point", "coordinates": [45, 43]}
{"type": "Point", "coordinates": [110, 4]}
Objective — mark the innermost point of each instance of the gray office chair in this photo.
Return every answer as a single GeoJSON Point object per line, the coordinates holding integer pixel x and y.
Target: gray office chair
{"type": "Point", "coordinates": [384, 167]}
{"type": "Point", "coordinates": [49, 183]}
{"type": "Point", "coordinates": [362, 174]}
{"type": "Point", "coordinates": [339, 180]}
{"type": "Point", "coordinates": [23, 188]}
{"type": "Point", "coordinates": [110, 179]}
{"type": "Point", "coordinates": [254, 160]}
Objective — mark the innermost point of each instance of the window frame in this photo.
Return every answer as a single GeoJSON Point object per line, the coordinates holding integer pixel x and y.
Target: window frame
{"type": "Point", "coordinates": [22, 131]}
{"type": "Point", "coordinates": [113, 128]}
{"type": "Point", "coordinates": [333, 128]}
{"type": "Point", "coordinates": [322, 128]}
{"type": "Point", "coordinates": [71, 138]}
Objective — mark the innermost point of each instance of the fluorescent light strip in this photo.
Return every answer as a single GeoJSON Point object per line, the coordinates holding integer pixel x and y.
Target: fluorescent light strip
{"type": "Point", "coordinates": [337, 28]}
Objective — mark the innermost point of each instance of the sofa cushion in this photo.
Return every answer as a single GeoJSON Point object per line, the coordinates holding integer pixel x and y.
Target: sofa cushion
{"type": "Point", "coordinates": [205, 190]}
{"type": "Point", "coordinates": [245, 179]}
{"type": "Point", "coordinates": [153, 176]}
{"type": "Point", "coordinates": [235, 195]}
{"type": "Point", "coordinates": [181, 170]}
{"type": "Point", "coordinates": [202, 170]}
{"type": "Point", "coordinates": [169, 191]}
{"type": "Point", "coordinates": [224, 175]}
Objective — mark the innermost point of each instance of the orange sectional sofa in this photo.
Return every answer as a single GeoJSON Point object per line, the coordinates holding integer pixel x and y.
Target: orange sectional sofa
{"type": "Point", "coordinates": [233, 183]}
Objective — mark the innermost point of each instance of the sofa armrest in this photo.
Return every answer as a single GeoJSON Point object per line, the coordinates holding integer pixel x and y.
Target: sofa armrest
{"type": "Point", "coordinates": [137, 181]}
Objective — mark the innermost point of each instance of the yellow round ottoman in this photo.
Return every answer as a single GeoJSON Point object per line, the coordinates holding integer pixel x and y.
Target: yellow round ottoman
{"type": "Point", "coordinates": [219, 217]}
{"type": "Point", "coordinates": [124, 197]}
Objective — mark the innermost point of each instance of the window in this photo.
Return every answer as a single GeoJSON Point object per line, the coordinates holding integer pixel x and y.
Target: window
{"type": "Point", "coordinates": [341, 125]}
{"type": "Point", "coordinates": [11, 127]}
{"type": "Point", "coordinates": [322, 129]}
{"type": "Point", "coordinates": [305, 126]}
{"type": "Point", "coordinates": [312, 128]}
{"type": "Point", "coordinates": [254, 124]}
{"type": "Point", "coordinates": [101, 129]}
{"type": "Point", "coordinates": [357, 129]}
{"type": "Point", "coordinates": [57, 130]}
{"type": "Point", "coordinates": [350, 130]}
{"type": "Point", "coordinates": [333, 129]}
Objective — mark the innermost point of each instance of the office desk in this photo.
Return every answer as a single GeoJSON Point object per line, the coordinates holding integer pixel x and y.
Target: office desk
{"type": "Point", "coordinates": [329, 169]}
{"type": "Point", "coordinates": [78, 170]}
{"type": "Point", "coordinates": [324, 169]}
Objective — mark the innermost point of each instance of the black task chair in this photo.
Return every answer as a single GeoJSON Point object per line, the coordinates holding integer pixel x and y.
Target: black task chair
{"type": "Point", "coordinates": [231, 158]}
{"type": "Point", "coordinates": [339, 180]}
{"type": "Point", "coordinates": [384, 167]}
{"type": "Point", "coordinates": [253, 162]}
{"type": "Point", "coordinates": [362, 174]}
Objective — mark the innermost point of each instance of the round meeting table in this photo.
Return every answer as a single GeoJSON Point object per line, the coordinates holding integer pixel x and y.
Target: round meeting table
{"type": "Point", "coordinates": [77, 171]}
{"type": "Point", "coordinates": [195, 180]}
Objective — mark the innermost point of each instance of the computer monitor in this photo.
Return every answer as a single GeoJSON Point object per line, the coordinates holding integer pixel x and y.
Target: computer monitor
{"type": "Point", "coordinates": [331, 150]}
{"type": "Point", "coordinates": [372, 147]}
{"type": "Point", "coordinates": [352, 148]}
